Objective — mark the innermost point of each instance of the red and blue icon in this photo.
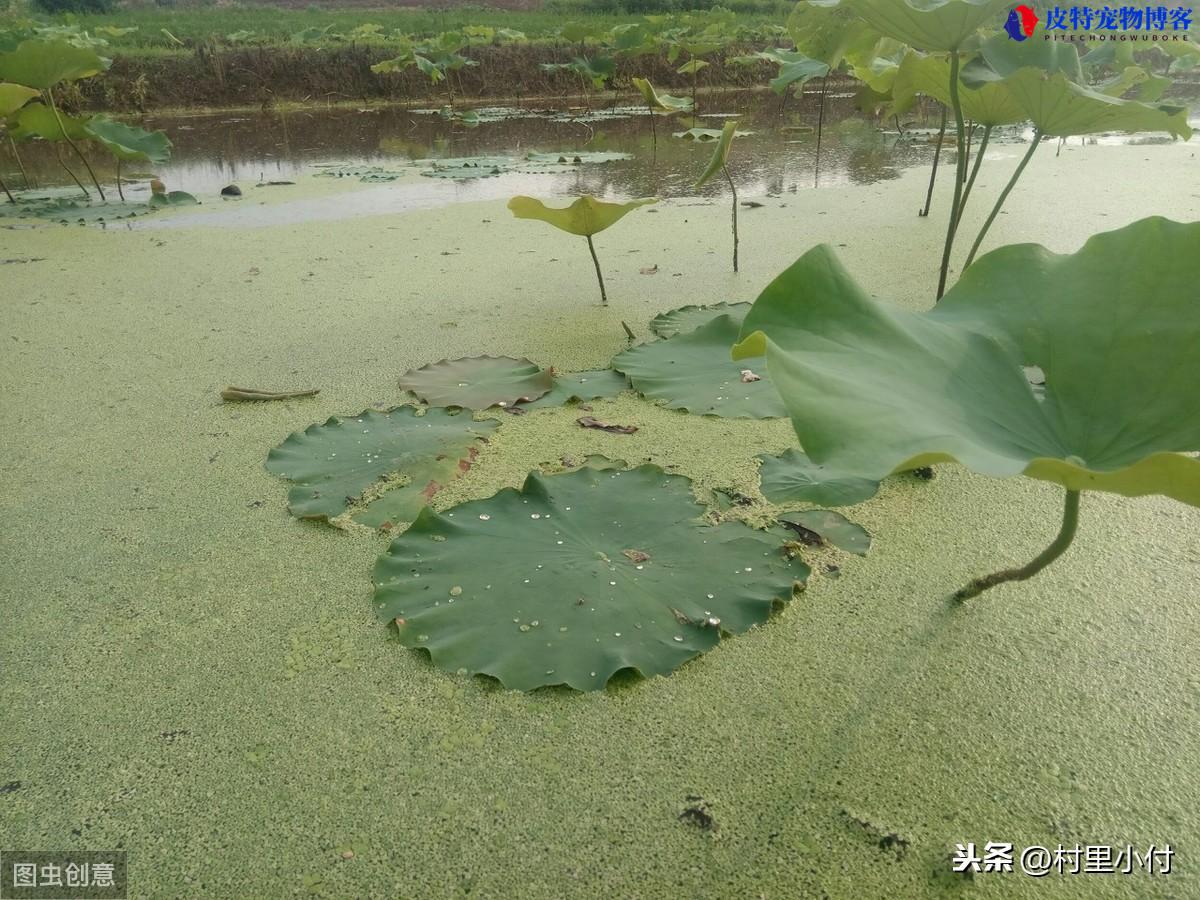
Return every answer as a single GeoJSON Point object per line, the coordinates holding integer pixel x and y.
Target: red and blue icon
{"type": "Point", "coordinates": [1021, 22]}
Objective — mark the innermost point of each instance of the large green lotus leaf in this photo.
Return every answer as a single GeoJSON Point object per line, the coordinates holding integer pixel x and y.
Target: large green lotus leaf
{"type": "Point", "coordinates": [13, 97]}
{"type": "Point", "coordinates": [580, 386]}
{"type": "Point", "coordinates": [689, 318]}
{"type": "Point", "coordinates": [128, 142]}
{"type": "Point", "coordinates": [586, 216]}
{"type": "Point", "coordinates": [692, 372]}
{"type": "Point", "coordinates": [576, 577]}
{"type": "Point", "coordinates": [478, 382]}
{"type": "Point", "coordinates": [798, 70]}
{"type": "Point", "coordinates": [1059, 107]}
{"type": "Point", "coordinates": [987, 104]}
{"type": "Point", "coordinates": [720, 154]}
{"type": "Point", "coordinates": [43, 64]}
{"type": "Point", "coordinates": [873, 388]}
{"type": "Point", "coordinates": [660, 102]}
{"type": "Point", "coordinates": [794, 477]}
{"type": "Point", "coordinates": [1000, 56]}
{"type": "Point", "coordinates": [829, 32]}
{"type": "Point", "coordinates": [39, 120]}
{"type": "Point", "coordinates": [929, 24]}
{"type": "Point", "coordinates": [332, 465]}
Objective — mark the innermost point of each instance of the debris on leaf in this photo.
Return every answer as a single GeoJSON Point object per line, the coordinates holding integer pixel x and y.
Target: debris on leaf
{"type": "Point", "coordinates": [592, 422]}
{"type": "Point", "coordinates": [749, 376]}
{"type": "Point", "coordinates": [636, 556]}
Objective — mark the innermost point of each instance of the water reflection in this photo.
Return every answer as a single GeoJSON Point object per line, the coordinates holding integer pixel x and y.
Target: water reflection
{"type": "Point", "coordinates": [778, 157]}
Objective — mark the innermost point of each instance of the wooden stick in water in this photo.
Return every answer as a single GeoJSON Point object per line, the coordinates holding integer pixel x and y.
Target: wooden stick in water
{"type": "Point", "coordinates": [239, 393]}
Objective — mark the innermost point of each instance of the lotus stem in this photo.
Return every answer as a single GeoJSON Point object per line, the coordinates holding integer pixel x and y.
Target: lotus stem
{"type": "Point", "coordinates": [967, 154]}
{"type": "Point", "coordinates": [820, 125]}
{"type": "Point", "coordinates": [1066, 534]}
{"type": "Point", "coordinates": [959, 167]}
{"type": "Point", "coordinates": [62, 162]}
{"type": "Point", "coordinates": [937, 154]}
{"type": "Point", "coordinates": [1037, 139]}
{"type": "Point", "coordinates": [7, 192]}
{"type": "Point", "coordinates": [63, 128]}
{"type": "Point", "coordinates": [20, 165]}
{"type": "Point", "coordinates": [733, 190]}
{"type": "Point", "coordinates": [120, 192]}
{"type": "Point", "coordinates": [599, 277]}
{"type": "Point", "coordinates": [983, 142]}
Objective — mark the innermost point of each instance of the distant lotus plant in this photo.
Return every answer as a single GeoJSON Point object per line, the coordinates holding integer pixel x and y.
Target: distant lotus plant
{"type": "Point", "coordinates": [586, 216]}
{"type": "Point", "coordinates": [718, 164]}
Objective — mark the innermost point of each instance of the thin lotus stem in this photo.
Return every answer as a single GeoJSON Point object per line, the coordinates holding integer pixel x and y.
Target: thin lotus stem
{"type": "Point", "coordinates": [1058, 152]}
{"type": "Point", "coordinates": [599, 277]}
{"type": "Point", "coordinates": [120, 192]}
{"type": "Point", "coordinates": [83, 159]}
{"type": "Point", "coordinates": [20, 165]}
{"type": "Point", "coordinates": [820, 125]}
{"type": "Point", "coordinates": [733, 190]}
{"type": "Point", "coordinates": [1066, 534]}
{"type": "Point", "coordinates": [1037, 139]}
{"type": "Point", "coordinates": [960, 165]}
{"type": "Point", "coordinates": [937, 154]}
{"type": "Point", "coordinates": [967, 154]}
{"type": "Point", "coordinates": [983, 142]}
{"type": "Point", "coordinates": [653, 131]}
{"type": "Point", "coordinates": [7, 192]}
{"type": "Point", "coordinates": [62, 162]}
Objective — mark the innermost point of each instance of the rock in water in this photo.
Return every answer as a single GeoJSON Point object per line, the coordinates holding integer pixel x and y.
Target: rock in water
{"type": "Point", "coordinates": [231, 190]}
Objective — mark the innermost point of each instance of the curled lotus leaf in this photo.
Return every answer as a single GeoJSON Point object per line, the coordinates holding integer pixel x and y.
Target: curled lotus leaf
{"type": "Point", "coordinates": [692, 372]}
{"type": "Point", "coordinates": [576, 577]}
{"type": "Point", "coordinates": [873, 388]}
{"type": "Point", "coordinates": [661, 102]}
{"type": "Point", "coordinates": [793, 477]}
{"type": "Point", "coordinates": [720, 154]}
{"type": "Point", "coordinates": [385, 465]}
{"type": "Point", "coordinates": [581, 386]}
{"type": "Point", "coordinates": [585, 217]}
{"type": "Point", "coordinates": [690, 317]}
{"type": "Point", "coordinates": [478, 382]}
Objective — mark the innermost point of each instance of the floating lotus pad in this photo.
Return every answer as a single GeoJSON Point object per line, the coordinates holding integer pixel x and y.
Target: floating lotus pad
{"type": "Point", "coordinates": [581, 386]}
{"type": "Point", "coordinates": [693, 372]}
{"type": "Point", "coordinates": [575, 577]}
{"type": "Point", "coordinates": [792, 477]}
{"type": "Point", "coordinates": [689, 318]}
{"type": "Point", "coordinates": [478, 382]}
{"type": "Point", "coordinates": [335, 464]}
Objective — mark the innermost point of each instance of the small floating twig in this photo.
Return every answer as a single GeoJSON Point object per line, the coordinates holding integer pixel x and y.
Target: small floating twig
{"type": "Point", "coordinates": [238, 393]}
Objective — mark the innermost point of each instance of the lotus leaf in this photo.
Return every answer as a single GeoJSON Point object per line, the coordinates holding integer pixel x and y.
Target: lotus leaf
{"type": "Point", "coordinates": [1059, 107]}
{"type": "Point", "coordinates": [720, 156]}
{"type": "Point", "coordinates": [692, 372]}
{"type": "Point", "coordinates": [660, 102]}
{"type": "Point", "coordinates": [833, 528]}
{"type": "Point", "coordinates": [334, 464]}
{"type": "Point", "coordinates": [874, 389]}
{"type": "Point", "coordinates": [927, 24]}
{"type": "Point", "coordinates": [43, 64]}
{"type": "Point", "coordinates": [987, 104]}
{"type": "Point", "coordinates": [703, 135]}
{"type": "Point", "coordinates": [173, 198]}
{"type": "Point", "coordinates": [13, 97]}
{"type": "Point", "coordinates": [478, 382]}
{"type": "Point", "coordinates": [581, 386]}
{"type": "Point", "coordinates": [39, 120]}
{"type": "Point", "coordinates": [689, 318]}
{"type": "Point", "coordinates": [794, 477]}
{"type": "Point", "coordinates": [129, 142]}
{"type": "Point", "coordinates": [586, 216]}
{"type": "Point", "coordinates": [576, 577]}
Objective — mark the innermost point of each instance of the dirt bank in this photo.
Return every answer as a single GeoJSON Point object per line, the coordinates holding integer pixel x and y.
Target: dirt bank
{"type": "Point", "coordinates": [262, 76]}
